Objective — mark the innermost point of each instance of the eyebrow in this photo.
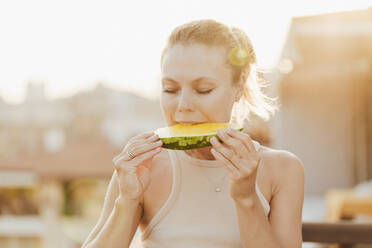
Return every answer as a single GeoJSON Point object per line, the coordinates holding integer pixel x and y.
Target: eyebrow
{"type": "Point", "coordinates": [193, 81]}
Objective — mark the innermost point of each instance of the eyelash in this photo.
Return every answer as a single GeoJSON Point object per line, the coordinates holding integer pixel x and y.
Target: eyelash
{"type": "Point", "coordinates": [200, 92]}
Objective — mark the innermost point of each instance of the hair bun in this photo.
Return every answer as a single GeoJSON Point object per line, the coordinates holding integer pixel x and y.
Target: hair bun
{"type": "Point", "coordinates": [238, 56]}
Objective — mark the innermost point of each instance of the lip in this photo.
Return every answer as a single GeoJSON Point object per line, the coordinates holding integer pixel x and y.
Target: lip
{"type": "Point", "coordinates": [188, 122]}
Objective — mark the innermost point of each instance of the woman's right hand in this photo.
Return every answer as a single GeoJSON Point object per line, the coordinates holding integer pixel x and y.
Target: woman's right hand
{"type": "Point", "coordinates": [133, 173]}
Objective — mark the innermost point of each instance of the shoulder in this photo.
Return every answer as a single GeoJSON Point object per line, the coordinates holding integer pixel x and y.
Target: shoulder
{"type": "Point", "coordinates": [280, 160]}
{"type": "Point", "coordinates": [282, 167]}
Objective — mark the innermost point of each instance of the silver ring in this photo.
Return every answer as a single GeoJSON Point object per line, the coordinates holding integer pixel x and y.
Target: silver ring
{"type": "Point", "coordinates": [131, 155]}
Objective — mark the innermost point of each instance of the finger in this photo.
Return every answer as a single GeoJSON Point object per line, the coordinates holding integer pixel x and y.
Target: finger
{"type": "Point", "coordinates": [124, 154]}
{"type": "Point", "coordinates": [131, 144]}
{"type": "Point", "coordinates": [243, 137]}
{"type": "Point", "coordinates": [123, 165]}
{"type": "Point", "coordinates": [124, 158]}
{"type": "Point", "coordinates": [145, 147]}
{"type": "Point", "coordinates": [236, 144]}
{"type": "Point", "coordinates": [143, 135]}
{"type": "Point", "coordinates": [145, 156]}
{"type": "Point", "coordinates": [225, 151]}
{"type": "Point", "coordinates": [117, 157]}
{"type": "Point", "coordinates": [119, 164]}
{"type": "Point", "coordinates": [114, 160]}
{"type": "Point", "coordinates": [226, 163]}
{"type": "Point", "coordinates": [149, 139]}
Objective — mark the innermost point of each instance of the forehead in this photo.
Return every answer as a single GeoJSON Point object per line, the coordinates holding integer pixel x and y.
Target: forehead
{"type": "Point", "coordinates": [186, 62]}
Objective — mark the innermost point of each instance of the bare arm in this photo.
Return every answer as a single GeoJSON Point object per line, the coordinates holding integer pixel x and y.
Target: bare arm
{"type": "Point", "coordinates": [287, 203]}
{"type": "Point", "coordinates": [117, 214]}
{"type": "Point", "coordinates": [123, 205]}
{"type": "Point", "coordinates": [283, 227]}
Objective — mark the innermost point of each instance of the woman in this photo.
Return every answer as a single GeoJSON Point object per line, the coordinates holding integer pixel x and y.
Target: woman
{"type": "Point", "coordinates": [235, 193]}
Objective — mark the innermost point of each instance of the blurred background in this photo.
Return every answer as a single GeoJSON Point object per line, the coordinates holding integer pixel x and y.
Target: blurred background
{"type": "Point", "coordinates": [78, 78]}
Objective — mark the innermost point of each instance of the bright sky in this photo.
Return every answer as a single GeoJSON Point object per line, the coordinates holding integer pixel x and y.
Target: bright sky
{"type": "Point", "coordinates": [71, 44]}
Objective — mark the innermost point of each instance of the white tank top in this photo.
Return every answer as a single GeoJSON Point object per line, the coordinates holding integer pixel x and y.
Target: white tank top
{"type": "Point", "coordinates": [195, 215]}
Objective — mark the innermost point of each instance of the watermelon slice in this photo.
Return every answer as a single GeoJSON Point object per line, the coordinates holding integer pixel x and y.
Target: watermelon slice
{"type": "Point", "coordinates": [185, 137]}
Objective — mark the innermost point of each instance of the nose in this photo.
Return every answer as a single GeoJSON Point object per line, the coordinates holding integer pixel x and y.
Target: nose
{"type": "Point", "coordinates": [184, 102]}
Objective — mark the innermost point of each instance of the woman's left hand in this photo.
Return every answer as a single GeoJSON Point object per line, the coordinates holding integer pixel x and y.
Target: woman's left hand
{"type": "Point", "coordinates": [238, 155]}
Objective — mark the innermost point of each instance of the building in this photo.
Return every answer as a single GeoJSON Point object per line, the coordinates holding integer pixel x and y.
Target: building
{"type": "Point", "coordinates": [325, 90]}
{"type": "Point", "coordinates": [95, 123]}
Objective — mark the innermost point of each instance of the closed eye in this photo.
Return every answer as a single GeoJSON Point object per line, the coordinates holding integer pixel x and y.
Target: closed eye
{"type": "Point", "coordinates": [204, 92]}
{"type": "Point", "coordinates": [198, 91]}
{"type": "Point", "coordinates": [170, 91]}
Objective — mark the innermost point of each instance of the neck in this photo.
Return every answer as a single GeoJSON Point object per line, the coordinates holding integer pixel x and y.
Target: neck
{"type": "Point", "coordinates": [201, 153]}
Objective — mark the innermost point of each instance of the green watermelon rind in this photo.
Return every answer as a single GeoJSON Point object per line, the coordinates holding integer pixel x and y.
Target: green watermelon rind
{"type": "Point", "coordinates": [188, 142]}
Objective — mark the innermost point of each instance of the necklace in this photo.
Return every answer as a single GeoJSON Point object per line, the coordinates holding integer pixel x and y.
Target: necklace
{"type": "Point", "coordinates": [217, 187]}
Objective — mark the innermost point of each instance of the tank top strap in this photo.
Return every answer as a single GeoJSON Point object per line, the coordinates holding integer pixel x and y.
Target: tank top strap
{"type": "Point", "coordinates": [256, 144]}
{"type": "Point", "coordinates": [263, 200]}
{"type": "Point", "coordinates": [176, 177]}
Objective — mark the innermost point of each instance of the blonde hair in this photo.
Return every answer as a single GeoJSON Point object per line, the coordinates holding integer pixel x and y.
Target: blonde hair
{"type": "Point", "coordinates": [241, 58]}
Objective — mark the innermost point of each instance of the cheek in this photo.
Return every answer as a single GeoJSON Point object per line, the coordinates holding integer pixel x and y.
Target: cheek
{"type": "Point", "coordinates": [218, 105]}
{"type": "Point", "coordinates": [221, 98]}
{"type": "Point", "coordinates": [167, 103]}
{"type": "Point", "coordinates": [166, 109]}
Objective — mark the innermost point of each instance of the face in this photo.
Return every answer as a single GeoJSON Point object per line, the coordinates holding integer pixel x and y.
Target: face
{"type": "Point", "coordinates": [196, 85]}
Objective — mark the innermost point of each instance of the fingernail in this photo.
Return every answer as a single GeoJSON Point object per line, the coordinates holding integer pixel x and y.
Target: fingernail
{"type": "Point", "coordinates": [158, 142]}
{"type": "Point", "coordinates": [220, 132]}
{"type": "Point", "coordinates": [228, 130]}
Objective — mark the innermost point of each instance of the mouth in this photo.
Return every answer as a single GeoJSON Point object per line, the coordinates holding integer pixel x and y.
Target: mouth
{"type": "Point", "coordinates": [188, 122]}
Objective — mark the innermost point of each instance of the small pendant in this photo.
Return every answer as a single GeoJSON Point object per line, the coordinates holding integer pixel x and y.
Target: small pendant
{"type": "Point", "coordinates": [217, 189]}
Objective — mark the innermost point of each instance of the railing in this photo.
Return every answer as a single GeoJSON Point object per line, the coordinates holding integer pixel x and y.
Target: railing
{"type": "Point", "coordinates": [344, 233]}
